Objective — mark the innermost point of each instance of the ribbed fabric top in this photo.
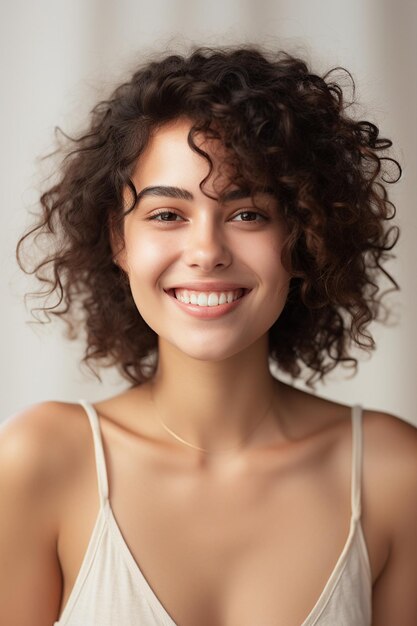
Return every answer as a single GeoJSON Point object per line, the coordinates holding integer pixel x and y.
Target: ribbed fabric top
{"type": "Point", "coordinates": [110, 589]}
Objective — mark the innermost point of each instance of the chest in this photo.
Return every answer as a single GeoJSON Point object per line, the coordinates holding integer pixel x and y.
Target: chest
{"type": "Point", "coordinates": [226, 550]}
{"type": "Point", "coordinates": [221, 562]}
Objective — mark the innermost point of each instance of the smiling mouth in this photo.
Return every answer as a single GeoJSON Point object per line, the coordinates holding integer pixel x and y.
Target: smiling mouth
{"type": "Point", "coordinates": [207, 299]}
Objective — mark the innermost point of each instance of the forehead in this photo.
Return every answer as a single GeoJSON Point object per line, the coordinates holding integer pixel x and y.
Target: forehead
{"type": "Point", "coordinates": [168, 158]}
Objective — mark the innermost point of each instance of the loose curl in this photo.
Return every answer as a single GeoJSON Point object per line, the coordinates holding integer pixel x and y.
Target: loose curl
{"type": "Point", "coordinates": [285, 129]}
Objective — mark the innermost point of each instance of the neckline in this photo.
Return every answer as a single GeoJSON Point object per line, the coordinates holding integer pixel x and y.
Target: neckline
{"type": "Point", "coordinates": [161, 611]}
{"type": "Point", "coordinates": [106, 513]}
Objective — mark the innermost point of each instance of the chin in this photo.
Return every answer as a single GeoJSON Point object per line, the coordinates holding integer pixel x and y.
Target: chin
{"type": "Point", "coordinates": [209, 349]}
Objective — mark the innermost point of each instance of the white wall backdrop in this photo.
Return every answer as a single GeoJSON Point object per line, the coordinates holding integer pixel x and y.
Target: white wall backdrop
{"type": "Point", "coordinates": [58, 58]}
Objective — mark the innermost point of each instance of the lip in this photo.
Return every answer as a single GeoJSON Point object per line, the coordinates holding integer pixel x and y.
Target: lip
{"type": "Point", "coordinates": [207, 286]}
{"type": "Point", "coordinates": [207, 312]}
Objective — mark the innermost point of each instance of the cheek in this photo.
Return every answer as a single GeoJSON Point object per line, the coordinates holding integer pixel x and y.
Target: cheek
{"type": "Point", "coordinates": [147, 258]}
{"type": "Point", "coordinates": [267, 258]}
{"type": "Point", "coordinates": [275, 277]}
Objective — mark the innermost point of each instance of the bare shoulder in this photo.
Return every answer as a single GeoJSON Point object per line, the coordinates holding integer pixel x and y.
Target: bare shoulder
{"type": "Point", "coordinates": [40, 442]}
{"type": "Point", "coordinates": [389, 455]}
{"type": "Point", "coordinates": [392, 442]}
{"type": "Point", "coordinates": [391, 458]}
{"type": "Point", "coordinates": [37, 453]}
{"type": "Point", "coordinates": [392, 425]}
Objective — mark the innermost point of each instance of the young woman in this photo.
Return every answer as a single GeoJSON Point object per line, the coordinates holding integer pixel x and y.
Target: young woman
{"type": "Point", "coordinates": [221, 219]}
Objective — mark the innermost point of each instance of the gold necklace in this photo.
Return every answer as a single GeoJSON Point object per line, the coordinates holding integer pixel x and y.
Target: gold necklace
{"type": "Point", "coordinates": [191, 445]}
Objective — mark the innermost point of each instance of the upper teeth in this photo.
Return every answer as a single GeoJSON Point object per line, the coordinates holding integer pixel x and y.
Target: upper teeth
{"type": "Point", "coordinates": [203, 298]}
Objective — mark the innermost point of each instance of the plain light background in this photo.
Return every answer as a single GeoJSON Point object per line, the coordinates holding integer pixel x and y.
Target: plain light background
{"type": "Point", "coordinates": [59, 58]}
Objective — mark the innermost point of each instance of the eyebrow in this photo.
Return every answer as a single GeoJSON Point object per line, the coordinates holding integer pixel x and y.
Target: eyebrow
{"type": "Point", "coordinates": [184, 194]}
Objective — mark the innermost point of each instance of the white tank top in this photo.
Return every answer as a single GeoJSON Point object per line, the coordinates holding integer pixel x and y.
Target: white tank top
{"type": "Point", "coordinates": [110, 589]}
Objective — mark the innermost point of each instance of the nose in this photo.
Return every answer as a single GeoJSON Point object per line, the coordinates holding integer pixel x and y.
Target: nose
{"type": "Point", "coordinates": [206, 246]}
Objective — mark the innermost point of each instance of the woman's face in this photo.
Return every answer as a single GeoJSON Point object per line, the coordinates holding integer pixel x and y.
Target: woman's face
{"type": "Point", "coordinates": [184, 239]}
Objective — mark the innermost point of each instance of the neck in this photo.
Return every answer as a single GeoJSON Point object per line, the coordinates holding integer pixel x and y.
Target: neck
{"type": "Point", "coordinates": [215, 405]}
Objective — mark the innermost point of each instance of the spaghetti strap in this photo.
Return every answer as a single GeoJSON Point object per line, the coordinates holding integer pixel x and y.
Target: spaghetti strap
{"type": "Point", "coordinates": [98, 451]}
{"type": "Point", "coordinates": [357, 456]}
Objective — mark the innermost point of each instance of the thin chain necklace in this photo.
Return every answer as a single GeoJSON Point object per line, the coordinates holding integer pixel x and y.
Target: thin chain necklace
{"type": "Point", "coordinates": [191, 445]}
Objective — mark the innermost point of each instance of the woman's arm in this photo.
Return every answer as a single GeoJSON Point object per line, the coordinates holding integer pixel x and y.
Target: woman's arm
{"type": "Point", "coordinates": [30, 575]}
{"type": "Point", "coordinates": [395, 591]}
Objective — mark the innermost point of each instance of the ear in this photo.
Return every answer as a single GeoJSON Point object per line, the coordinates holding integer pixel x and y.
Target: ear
{"type": "Point", "coordinates": [117, 244]}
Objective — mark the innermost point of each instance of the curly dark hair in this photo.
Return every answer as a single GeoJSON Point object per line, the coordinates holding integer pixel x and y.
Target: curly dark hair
{"type": "Point", "coordinates": [284, 128]}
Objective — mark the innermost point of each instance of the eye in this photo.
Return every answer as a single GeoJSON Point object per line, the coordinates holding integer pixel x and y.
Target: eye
{"type": "Point", "coordinates": [165, 216]}
{"type": "Point", "coordinates": [248, 215]}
